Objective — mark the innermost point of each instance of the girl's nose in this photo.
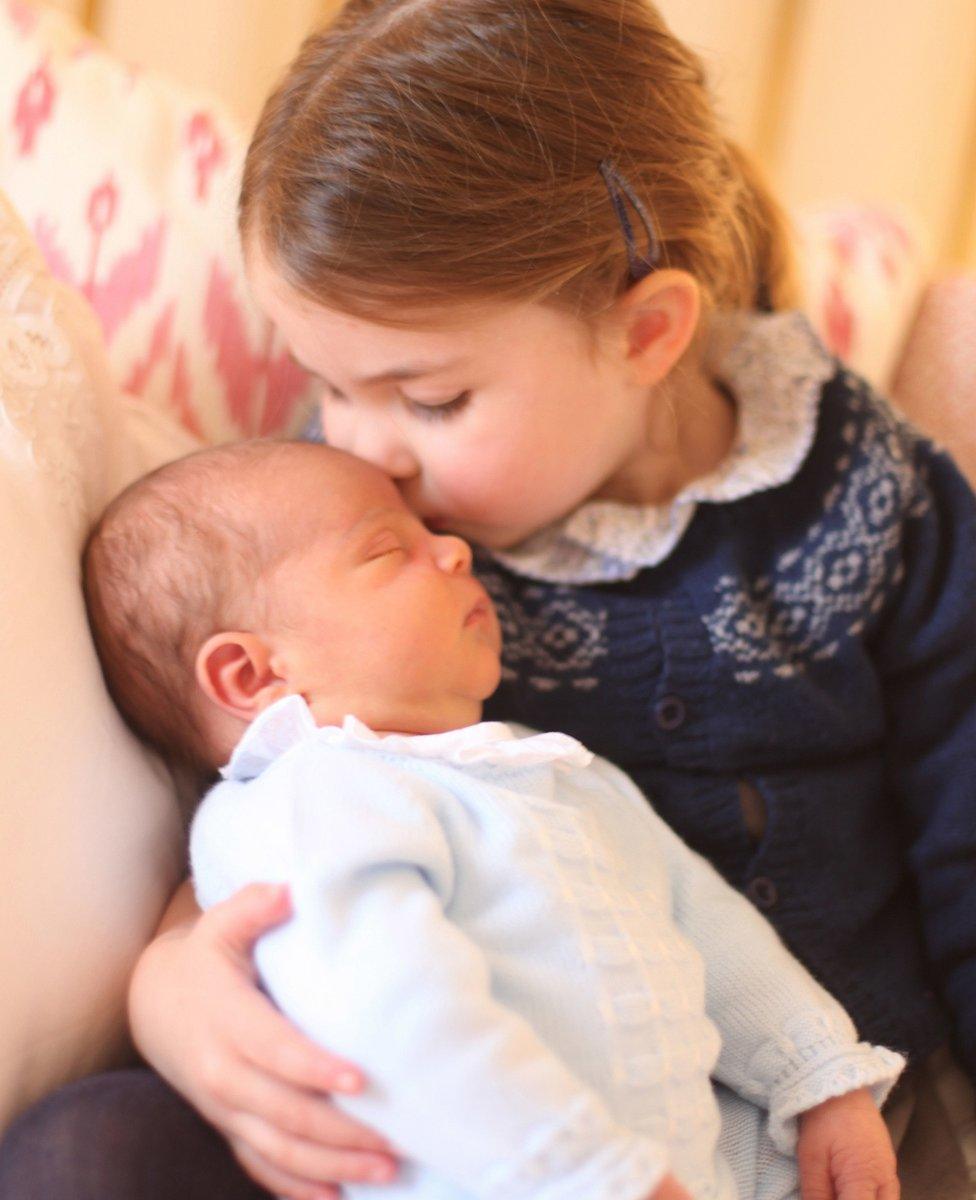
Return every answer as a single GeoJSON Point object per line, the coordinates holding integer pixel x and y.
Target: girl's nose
{"type": "Point", "coordinates": [452, 554]}
{"type": "Point", "coordinates": [375, 438]}
{"type": "Point", "coordinates": [384, 449]}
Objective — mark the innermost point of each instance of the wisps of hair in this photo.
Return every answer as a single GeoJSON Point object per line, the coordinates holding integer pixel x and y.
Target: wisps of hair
{"type": "Point", "coordinates": [424, 152]}
{"type": "Point", "coordinates": [171, 561]}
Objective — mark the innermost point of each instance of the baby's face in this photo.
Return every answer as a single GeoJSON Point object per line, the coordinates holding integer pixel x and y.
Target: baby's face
{"type": "Point", "coordinates": [374, 615]}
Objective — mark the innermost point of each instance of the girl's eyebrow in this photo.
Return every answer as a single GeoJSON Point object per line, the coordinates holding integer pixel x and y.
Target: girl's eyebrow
{"type": "Point", "coordinates": [408, 371]}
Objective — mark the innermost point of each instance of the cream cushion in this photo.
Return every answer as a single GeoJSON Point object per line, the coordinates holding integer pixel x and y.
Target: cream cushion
{"type": "Point", "coordinates": [90, 839]}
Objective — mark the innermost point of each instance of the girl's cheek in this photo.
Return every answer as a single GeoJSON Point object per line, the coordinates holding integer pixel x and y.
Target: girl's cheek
{"type": "Point", "coordinates": [462, 479]}
{"type": "Point", "coordinates": [334, 428]}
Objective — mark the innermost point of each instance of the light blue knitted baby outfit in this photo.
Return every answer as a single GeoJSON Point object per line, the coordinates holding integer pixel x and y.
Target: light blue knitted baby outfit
{"type": "Point", "coordinates": [536, 975]}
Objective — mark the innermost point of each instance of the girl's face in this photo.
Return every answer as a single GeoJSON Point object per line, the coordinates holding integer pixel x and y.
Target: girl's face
{"type": "Point", "coordinates": [492, 428]}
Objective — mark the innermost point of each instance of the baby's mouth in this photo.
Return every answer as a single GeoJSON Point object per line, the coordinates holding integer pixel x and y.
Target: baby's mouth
{"type": "Point", "coordinates": [478, 613]}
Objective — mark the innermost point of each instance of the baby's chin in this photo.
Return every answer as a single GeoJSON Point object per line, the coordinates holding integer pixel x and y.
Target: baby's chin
{"type": "Point", "coordinates": [427, 717]}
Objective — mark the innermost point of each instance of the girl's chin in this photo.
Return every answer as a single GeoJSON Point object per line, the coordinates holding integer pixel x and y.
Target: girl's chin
{"type": "Point", "coordinates": [491, 537]}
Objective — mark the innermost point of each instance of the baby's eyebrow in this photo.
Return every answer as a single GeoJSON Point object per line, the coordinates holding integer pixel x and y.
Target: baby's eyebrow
{"type": "Point", "coordinates": [366, 525]}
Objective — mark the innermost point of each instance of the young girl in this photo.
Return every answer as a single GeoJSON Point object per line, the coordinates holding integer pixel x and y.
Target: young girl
{"type": "Point", "coordinates": [547, 296]}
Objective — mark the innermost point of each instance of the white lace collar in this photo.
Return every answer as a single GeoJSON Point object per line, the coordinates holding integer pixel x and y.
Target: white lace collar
{"type": "Point", "coordinates": [775, 367]}
{"type": "Point", "coordinates": [289, 722]}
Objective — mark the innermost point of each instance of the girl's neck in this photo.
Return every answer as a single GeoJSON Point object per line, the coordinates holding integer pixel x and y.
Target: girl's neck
{"type": "Point", "coordinates": [689, 430]}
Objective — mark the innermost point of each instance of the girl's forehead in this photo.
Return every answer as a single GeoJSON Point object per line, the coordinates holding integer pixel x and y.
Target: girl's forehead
{"type": "Point", "coordinates": [443, 338]}
{"type": "Point", "coordinates": [491, 343]}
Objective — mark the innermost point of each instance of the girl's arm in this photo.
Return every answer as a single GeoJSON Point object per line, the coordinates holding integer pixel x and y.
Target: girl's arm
{"type": "Point", "coordinates": [925, 652]}
{"type": "Point", "coordinates": [198, 1017]}
{"type": "Point", "coordinates": [786, 1043]}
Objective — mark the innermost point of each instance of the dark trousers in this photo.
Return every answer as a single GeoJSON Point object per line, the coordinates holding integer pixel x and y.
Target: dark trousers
{"type": "Point", "coordinates": [124, 1135]}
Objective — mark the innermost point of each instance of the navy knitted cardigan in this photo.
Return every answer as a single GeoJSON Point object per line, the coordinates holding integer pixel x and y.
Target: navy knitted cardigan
{"type": "Point", "coordinates": [812, 649]}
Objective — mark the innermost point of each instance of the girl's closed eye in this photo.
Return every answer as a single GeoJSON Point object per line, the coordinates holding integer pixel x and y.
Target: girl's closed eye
{"type": "Point", "coordinates": [438, 410]}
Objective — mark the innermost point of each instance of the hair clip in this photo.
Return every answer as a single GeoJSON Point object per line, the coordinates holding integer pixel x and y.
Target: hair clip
{"type": "Point", "coordinates": [619, 189]}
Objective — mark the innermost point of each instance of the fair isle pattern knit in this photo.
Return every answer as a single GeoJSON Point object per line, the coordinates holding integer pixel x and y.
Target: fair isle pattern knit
{"type": "Point", "coordinates": [556, 638]}
{"type": "Point", "coordinates": [820, 590]}
{"type": "Point", "coordinates": [810, 643]}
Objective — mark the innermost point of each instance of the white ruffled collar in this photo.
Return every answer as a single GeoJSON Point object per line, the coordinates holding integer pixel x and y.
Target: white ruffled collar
{"type": "Point", "coordinates": [289, 722]}
{"type": "Point", "coordinates": [775, 367]}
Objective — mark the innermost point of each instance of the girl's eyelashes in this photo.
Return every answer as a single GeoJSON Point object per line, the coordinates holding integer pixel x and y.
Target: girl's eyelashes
{"type": "Point", "coordinates": [438, 411]}
{"type": "Point", "coordinates": [427, 410]}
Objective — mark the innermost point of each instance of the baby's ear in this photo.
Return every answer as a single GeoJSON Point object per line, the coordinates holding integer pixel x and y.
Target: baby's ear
{"type": "Point", "coordinates": [234, 671]}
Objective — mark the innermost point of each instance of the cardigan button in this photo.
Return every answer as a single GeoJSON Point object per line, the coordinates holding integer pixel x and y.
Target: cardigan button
{"type": "Point", "coordinates": [762, 892]}
{"type": "Point", "coordinates": [670, 713]}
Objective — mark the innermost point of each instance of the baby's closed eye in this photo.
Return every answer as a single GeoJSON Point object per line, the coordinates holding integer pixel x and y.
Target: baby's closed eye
{"type": "Point", "coordinates": [384, 546]}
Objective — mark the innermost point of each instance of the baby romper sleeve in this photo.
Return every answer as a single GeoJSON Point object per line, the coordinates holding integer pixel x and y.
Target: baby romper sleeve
{"type": "Point", "coordinates": [787, 1045]}
{"type": "Point", "coordinates": [372, 968]}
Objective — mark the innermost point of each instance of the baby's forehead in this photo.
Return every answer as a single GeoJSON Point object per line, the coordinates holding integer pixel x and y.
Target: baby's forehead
{"type": "Point", "coordinates": [327, 489]}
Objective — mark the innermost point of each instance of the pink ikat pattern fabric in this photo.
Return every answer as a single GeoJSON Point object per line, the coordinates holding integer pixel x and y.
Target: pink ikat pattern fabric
{"type": "Point", "coordinates": [128, 182]}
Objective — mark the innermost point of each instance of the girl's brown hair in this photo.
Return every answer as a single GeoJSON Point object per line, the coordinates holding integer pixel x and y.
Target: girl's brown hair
{"type": "Point", "coordinates": [420, 153]}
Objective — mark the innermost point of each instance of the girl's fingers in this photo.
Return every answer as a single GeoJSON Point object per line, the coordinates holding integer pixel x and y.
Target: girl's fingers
{"type": "Point", "coordinates": [305, 1115]}
{"type": "Point", "coordinates": [239, 921]}
{"type": "Point", "coordinates": [269, 1042]}
{"type": "Point", "coordinates": [280, 1183]}
{"type": "Point", "coordinates": [307, 1160]}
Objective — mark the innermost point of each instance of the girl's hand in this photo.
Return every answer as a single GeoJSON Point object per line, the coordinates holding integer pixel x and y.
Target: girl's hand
{"type": "Point", "coordinates": [844, 1151]}
{"type": "Point", "coordinates": [198, 1017]}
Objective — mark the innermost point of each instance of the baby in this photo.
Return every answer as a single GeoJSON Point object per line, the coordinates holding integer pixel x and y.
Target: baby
{"type": "Point", "coordinates": [540, 980]}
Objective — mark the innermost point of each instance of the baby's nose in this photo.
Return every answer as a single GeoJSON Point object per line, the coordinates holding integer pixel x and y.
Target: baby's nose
{"type": "Point", "coordinates": [453, 554]}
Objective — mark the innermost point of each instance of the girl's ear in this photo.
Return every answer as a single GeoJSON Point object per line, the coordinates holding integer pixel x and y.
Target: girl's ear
{"type": "Point", "coordinates": [658, 318]}
{"type": "Point", "coordinates": [235, 671]}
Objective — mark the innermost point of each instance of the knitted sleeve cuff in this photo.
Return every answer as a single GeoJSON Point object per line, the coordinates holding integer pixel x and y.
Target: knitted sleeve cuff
{"type": "Point", "coordinates": [828, 1069]}
{"type": "Point", "coordinates": [586, 1157]}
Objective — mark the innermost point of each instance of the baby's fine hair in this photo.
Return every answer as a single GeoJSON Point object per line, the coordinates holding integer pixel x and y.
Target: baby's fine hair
{"type": "Point", "coordinates": [424, 152]}
{"type": "Point", "coordinates": [173, 559]}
